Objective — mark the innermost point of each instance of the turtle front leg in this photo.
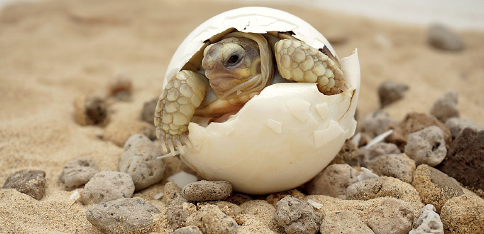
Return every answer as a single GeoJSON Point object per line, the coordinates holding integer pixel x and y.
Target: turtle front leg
{"type": "Point", "coordinates": [175, 109]}
{"type": "Point", "coordinates": [300, 62]}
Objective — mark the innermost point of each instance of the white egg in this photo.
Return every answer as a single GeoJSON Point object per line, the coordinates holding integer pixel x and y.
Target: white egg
{"type": "Point", "coordinates": [285, 135]}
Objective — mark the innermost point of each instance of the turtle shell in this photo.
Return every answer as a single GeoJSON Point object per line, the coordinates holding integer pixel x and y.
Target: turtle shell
{"type": "Point", "coordinates": [285, 135]}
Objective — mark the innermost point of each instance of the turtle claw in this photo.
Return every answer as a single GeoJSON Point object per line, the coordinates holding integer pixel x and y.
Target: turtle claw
{"type": "Point", "coordinates": [174, 145]}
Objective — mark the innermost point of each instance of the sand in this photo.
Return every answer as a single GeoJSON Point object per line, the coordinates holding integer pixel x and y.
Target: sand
{"type": "Point", "coordinates": [53, 51]}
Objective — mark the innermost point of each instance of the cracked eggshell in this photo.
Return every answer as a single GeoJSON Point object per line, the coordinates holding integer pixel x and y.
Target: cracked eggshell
{"type": "Point", "coordinates": [285, 135]}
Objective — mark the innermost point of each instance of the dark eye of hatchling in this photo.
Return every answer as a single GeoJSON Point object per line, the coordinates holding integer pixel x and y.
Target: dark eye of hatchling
{"type": "Point", "coordinates": [233, 59]}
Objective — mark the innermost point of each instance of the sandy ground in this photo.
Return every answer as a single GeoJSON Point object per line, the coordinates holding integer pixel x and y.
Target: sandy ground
{"type": "Point", "coordinates": [53, 51]}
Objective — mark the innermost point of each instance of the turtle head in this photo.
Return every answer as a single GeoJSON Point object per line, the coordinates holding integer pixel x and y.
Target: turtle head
{"type": "Point", "coordinates": [230, 63]}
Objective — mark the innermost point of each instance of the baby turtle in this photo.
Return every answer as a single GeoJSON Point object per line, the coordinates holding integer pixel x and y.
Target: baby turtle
{"type": "Point", "coordinates": [232, 71]}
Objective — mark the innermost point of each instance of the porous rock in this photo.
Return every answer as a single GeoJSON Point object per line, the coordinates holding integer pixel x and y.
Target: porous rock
{"type": "Point", "coordinates": [343, 222]}
{"type": "Point", "coordinates": [395, 165]}
{"type": "Point", "coordinates": [228, 208]}
{"type": "Point", "coordinates": [172, 195]}
{"type": "Point", "coordinates": [383, 215]}
{"type": "Point", "coordinates": [457, 125]}
{"type": "Point", "coordinates": [125, 215]}
{"type": "Point", "coordinates": [177, 216]}
{"type": "Point", "coordinates": [148, 111]}
{"type": "Point", "coordinates": [376, 123]}
{"type": "Point", "coordinates": [250, 224]}
{"type": "Point", "coordinates": [465, 159]}
{"type": "Point", "coordinates": [90, 110]}
{"type": "Point", "coordinates": [30, 182]}
{"type": "Point", "coordinates": [297, 216]}
{"type": "Point", "coordinates": [445, 106]}
{"type": "Point", "coordinates": [211, 220]}
{"type": "Point", "coordinates": [120, 131]}
{"type": "Point", "coordinates": [414, 122]}
{"type": "Point", "coordinates": [262, 211]}
{"type": "Point", "coordinates": [76, 173]}
{"type": "Point", "coordinates": [333, 181]}
{"type": "Point", "coordinates": [348, 154]}
{"type": "Point", "coordinates": [463, 214]}
{"type": "Point", "coordinates": [140, 160]}
{"type": "Point", "coordinates": [107, 186]}
{"type": "Point", "coordinates": [440, 37]}
{"type": "Point", "coordinates": [378, 149]}
{"type": "Point", "coordinates": [207, 190]}
{"type": "Point", "coordinates": [385, 187]}
{"type": "Point", "coordinates": [188, 230]}
{"type": "Point", "coordinates": [434, 186]}
{"type": "Point", "coordinates": [426, 146]}
{"type": "Point", "coordinates": [428, 222]}
{"type": "Point", "coordinates": [274, 198]}
{"type": "Point", "coordinates": [390, 91]}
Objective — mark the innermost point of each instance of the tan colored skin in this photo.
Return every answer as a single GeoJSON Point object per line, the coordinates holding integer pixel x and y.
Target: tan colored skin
{"type": "Point", "coordinates": [236, 69]}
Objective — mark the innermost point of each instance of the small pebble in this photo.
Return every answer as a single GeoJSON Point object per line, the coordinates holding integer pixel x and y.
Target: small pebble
{"type": "Point", "coordinates": [385, 187]}
{"type": "Point", "coordinates": [333, 181]}
{"type": "Point", "coordinates": [463, 214]}
{"type": "Point", "coordinates": [207, 190]}
{"type": "Point", "coordinates": [90, 111]}
{"type": "Point", "coordinates": [177, 217]}
{"type": "Point", "coordinates": [140, 160]}
{"type": "Point", "coordinates": [378, 149]}
{"type": "Point", "coordinates": [76, 173]}
{"type": "Point", "coordinates": [426, 146]}
{"type": "Point", "coordinates": [148, 112]}
{"type": "Point", "coordinates": [457, 125]}
{"type": "Point", "coordinates": [414, 122]}
{"type": "Point", "coordinates": [297, 216]}
{"type": "Point", "coordinates": [107, 186]}
{"type": "Point", "coordinates": [376, 123]}
{"type": "Point", "coordinates": [465, 159]}
{"type": "Point", "coordinates": [120, 131]}
{"type": "Point", "coordinates": [188, 230]}
{"type": "Point", "coordinates": [440, 37]}
{"type": "Point", "coordinates": [172, 195]}
{"type": "Point", "coordinates": [30, 182]}
{"type": "Point", "coordinates": [125, 215]}
{"type": "Point", "coordinates": [348, 154]}
{"type": "Point", "coordinates": [211, 220]}
{"type": "Point", "coordinates": [428, 222]}
{"type": "Point", "coordinates": [121, 88]}
{"type": "Point", "coordinates": [434, 186]}
{"type": "Point", "coordinates": [343, 222]}
{"type": "Point", "coordinates": [390, 92]}
{"type": "Point", "coordinates": [445, 107]}
{"type": "Point", "coordinates": [394, 165]}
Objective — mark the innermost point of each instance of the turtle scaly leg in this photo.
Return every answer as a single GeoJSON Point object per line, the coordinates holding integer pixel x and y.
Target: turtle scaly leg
{"type": "Point", "coordinates": [300, 62]}
{"type": "Point", "coordinates": [175, 109]}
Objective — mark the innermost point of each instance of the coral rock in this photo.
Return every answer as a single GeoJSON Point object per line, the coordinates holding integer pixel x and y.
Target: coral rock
{"type": "Point", "coordinates": [348, 154]}
{"type": "Point", "coordinates": [30, 182]}
{"type": "Point", "coordinates": [428, 222]}
{"type": "Point", "coordinates": [297, 216]}
{"type": "Point", "coordinates": [343, 222]}
{"type": "Point", "coordinates": [172, 195]}
{"type": "Point", "coordinates": [434, 186]}
{"type": "Point", "coordinates": [333, 181]}
{"type": "Point", "coordinates": [457, 125]}
{"type": "Point", "coordinates": [211, 220]}
{"type": "Point", "coordinates": [426, 146]}
{"type": "Point", "coordinates": [77, 172]}
{"type": "Point", "coordinates": [90, 111]}
{"type": "Point", "coordinates": [125, 215]}
{"type": "Point", "coordinates": [378, 149]}
{"type": "Point", "coordinates": [107, 186]}
{"type": "Point", "coordinates": [148, 112]}
{"type": "Point", "coordinates": [140, 160]}
{"type": "Point", "coordinates": [465, 159]}
{"type": "Point", "coordinates": [443, 38]}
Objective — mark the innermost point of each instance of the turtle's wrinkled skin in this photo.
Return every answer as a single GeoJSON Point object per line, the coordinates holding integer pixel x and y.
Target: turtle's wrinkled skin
{"type": "Point", "coordinates": [234, 70]}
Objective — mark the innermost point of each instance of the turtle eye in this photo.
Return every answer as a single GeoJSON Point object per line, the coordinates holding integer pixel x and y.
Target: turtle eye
{"type": "Point", "coordinates": [234, 59]}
